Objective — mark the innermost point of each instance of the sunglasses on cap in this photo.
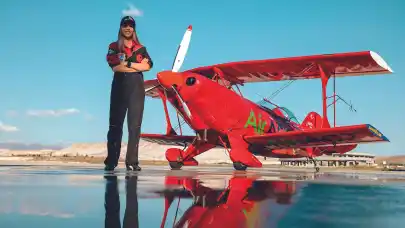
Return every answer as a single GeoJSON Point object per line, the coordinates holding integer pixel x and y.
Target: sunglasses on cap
{"type": "Point", "coordinates": [127, 21]}
{"type": "Point", "coordinates": [127, 24]}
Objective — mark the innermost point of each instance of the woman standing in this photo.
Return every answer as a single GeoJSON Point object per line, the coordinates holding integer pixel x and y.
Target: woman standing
{"type": "Point", "coordinates": [128, 59]}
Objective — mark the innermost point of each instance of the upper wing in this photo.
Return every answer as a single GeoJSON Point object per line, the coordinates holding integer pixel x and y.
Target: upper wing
{"type": "Point", "coordinates": [320, 137]}
{"type": "Point", "coordinates": [305, 67]}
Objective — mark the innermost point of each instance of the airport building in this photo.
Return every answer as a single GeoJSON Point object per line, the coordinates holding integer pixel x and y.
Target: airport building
{"type": "Point", "coordinates": [334, 160]}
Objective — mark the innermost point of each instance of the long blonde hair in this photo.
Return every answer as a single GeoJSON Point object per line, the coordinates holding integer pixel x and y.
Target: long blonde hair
{"type": "Point", "coordinates": [121, 40]}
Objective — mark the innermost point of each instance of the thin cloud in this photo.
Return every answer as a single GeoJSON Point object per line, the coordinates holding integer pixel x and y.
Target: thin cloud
{"type": "Point", "coordinates": [52, 113]}
{"type": "Point", "coordinates": [7, 128]}
{"type": "Point", "coordinates": [132, 11]}
{"type": "Point", "coordinates": [12, 113]}
{"type": "Point", "coordinates": [88, 117]}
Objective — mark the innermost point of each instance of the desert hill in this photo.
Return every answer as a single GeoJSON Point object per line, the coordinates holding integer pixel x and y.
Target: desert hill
{"type": "Point", "coordinates": [28, 146]}
{"type": "Point", "coordinates": [397, 159]}
{"type": "Point", "coordinates": [148, 152]}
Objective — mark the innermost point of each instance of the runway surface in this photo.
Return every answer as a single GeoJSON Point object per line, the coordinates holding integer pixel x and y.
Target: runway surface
{"type": "Point", "coordinates": [86, 196]}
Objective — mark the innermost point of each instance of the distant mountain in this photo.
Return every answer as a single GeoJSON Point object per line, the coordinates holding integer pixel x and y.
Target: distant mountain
{"type": "Point", "coordinates": [29, 146]}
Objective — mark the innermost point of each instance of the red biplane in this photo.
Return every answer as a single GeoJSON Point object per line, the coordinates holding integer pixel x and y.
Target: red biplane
{"type": "Point", "coordinates": [208, 102]}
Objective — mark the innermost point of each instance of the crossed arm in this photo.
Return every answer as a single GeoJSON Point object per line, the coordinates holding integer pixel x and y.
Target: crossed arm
{"type": "Point", "coordinates": [118, 66]}
{"type": "Point", "coordinates": [135, 67]}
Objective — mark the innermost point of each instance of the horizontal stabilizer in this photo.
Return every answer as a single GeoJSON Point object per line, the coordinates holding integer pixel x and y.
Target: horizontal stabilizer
{"type": "Point", "coordinates": [320, 137]}
{"type": "Point", "coordinates": [175, 140]}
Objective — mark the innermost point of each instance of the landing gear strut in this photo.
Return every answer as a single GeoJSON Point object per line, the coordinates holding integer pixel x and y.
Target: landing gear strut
{"type": "Point", "coordinates": [313, 161]}
{"type": "Point", "coordinates": [178, 158]}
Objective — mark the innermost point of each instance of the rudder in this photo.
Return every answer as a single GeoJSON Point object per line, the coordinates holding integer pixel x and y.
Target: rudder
{"type": "Point", "coordinates": [312, 121]}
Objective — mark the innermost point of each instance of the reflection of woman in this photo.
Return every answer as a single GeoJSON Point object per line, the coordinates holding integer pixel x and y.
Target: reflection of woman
{"type": "Point", "coordinates": [131, 211]}
{"type": "Point", "coordinates": [128, 59]}
{"type": "Point", "coordinates": [112, 203]}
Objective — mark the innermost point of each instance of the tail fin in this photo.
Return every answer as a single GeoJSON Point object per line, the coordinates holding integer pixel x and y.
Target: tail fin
{"type": "Point", "coordinates": [312, 121]}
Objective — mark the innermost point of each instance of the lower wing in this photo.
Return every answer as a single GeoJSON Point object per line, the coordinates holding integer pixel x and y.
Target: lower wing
{"type": "Point", "coordinates": [320, 137]}
{"type": "Point", "coordinates": [151, 88]}
{"type": "Point", "coordinates": [175, 140]}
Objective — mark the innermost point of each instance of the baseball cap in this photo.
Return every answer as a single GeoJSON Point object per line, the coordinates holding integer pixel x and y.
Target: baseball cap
{"type": "Point", "coordinates": [128, 20]}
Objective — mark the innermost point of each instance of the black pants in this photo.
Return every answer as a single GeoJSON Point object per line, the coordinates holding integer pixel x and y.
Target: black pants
{"type": "Point", "coordinates": [127, 94]}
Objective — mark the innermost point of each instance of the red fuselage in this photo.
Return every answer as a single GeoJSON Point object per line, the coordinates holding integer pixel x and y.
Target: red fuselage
{"type": "Point", "coordinates": [216, 107]}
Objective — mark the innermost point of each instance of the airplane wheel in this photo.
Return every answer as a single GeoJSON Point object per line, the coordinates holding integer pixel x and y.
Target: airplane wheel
{"type": "Point", "coordinates": [239, 166]}
{"type": "Point", "coordinates": [176, 165]}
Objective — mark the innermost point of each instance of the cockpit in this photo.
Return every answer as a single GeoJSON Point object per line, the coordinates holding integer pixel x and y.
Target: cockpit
{"type": "Point", "coordinates": [284, 120]}
{"type": "Point", "coordinates": [289, 115]}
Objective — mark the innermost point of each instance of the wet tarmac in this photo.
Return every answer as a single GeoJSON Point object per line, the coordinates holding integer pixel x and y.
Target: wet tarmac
{"type": "Point", "coordinates": [79, 196]}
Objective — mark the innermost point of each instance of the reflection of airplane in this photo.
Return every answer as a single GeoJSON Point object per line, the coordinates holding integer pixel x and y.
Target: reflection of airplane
{"type": "Point", "coordinates": [209, 101]}
{"type": "Point", "coordinates": [244, 203]}
{"type": "Point", "coordinates": [112, 203]}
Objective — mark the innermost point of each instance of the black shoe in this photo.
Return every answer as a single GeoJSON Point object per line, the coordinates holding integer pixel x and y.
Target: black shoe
{"type": "Point", "coordinates": [133, 168]}
{"type": "Point", "coordinates": [109, 168]}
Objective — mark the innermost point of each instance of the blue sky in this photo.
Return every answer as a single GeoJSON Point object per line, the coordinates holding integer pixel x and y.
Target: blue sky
{"type": "Point", "coordinates": [53, 58]}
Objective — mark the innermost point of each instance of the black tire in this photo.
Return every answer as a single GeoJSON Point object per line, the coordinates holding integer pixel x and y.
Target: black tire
{"type": "Point", "coordinates": [239, 166]}
{"type": "Point", "coordinates": [175, 165]}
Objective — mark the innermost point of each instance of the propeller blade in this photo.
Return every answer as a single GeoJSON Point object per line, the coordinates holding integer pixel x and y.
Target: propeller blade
{"type": "Point", "coordinates": [151, 88]}
{"type": "Point", "coordinates": [182, 50]}
{"type": "Point", "coordinates": [178, 61]}
{"type": "Point", "coordinates": [186, 109]}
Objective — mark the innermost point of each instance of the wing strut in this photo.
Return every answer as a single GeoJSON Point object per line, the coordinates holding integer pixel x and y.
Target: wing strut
{"type": "Point", "coordinates": [324, 79]}
{"type": "Point", "coordinates": [334, 101]}
{"type": "Point", "coordinates": [169, 128]}
{"type": "Point", "coordinates": [325, 76]}
{"type": "Point", "coordinates": [220, 74]}
{"type": "Point", "coordinates": [178, 120]}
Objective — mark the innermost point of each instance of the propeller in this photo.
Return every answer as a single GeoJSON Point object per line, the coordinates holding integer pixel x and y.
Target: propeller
{"type": "Point", "coordinates": [177, 63]}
